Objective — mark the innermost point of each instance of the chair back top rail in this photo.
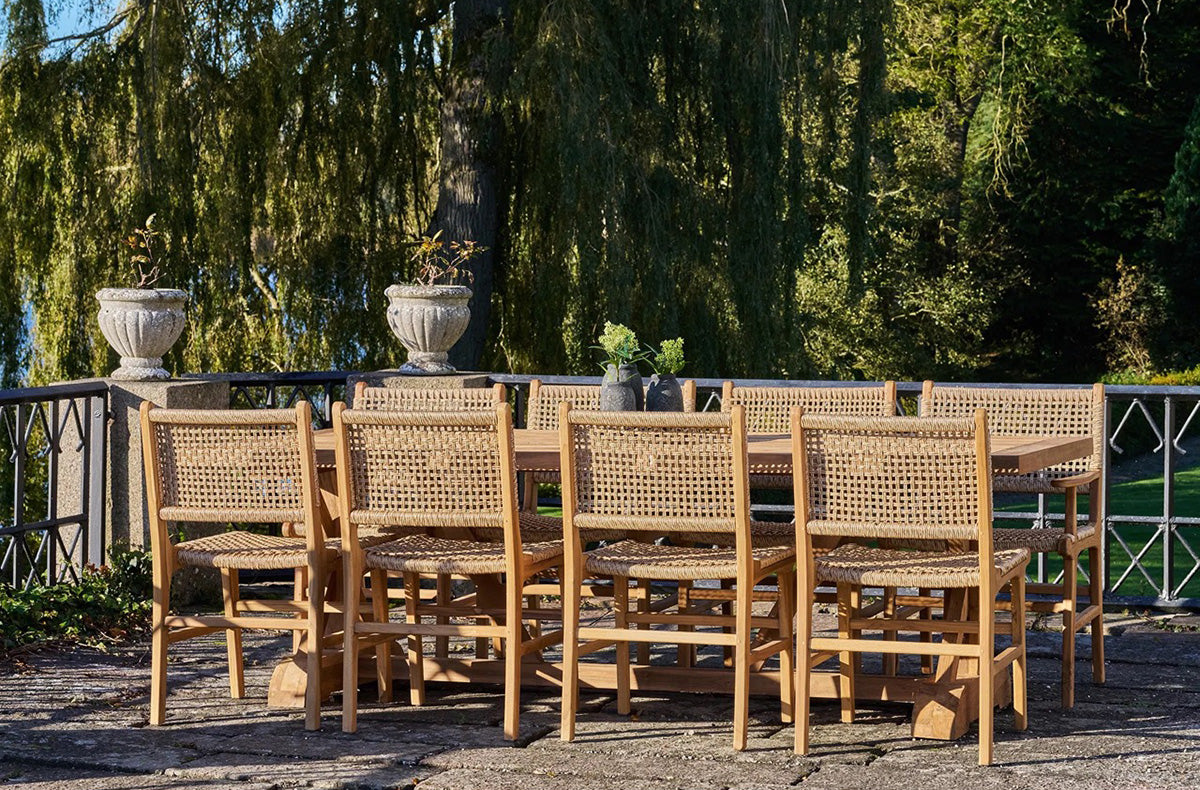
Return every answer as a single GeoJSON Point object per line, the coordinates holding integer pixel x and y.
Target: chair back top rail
{"type": "Point", "coordinates": [447, 399]}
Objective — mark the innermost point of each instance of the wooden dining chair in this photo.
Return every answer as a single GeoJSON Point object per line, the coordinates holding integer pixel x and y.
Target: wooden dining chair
{"type": "Point", "coordinates": [235, 466]}
{"type": "Point", "coordinates": [769, 410]}
{"type": "Point", "coordinates": [670, 473]}
{"type": "Point", "coordinates": [1049, 412]}
{"type": "Point", "coordinates": [907, 478]}
{"type": "Point", "coordinates": [447, 471]}
{"type": "Point", "coordinates": [428, 399]}
{"type": "Point", "coordinates": [541, 414]}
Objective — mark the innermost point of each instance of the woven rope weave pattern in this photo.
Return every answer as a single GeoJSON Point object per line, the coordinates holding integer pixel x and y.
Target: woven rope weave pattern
{"type": "Point", "coordinates": [424, 469]}
{"type": "Point", "coordinates": [891, 477]}
{"type": "Point", "coordinates": [653, 472]}
{"type": "Point", "coordinates": [871, 567]}
{"type": "Point", "coordinates": [769, 409]}
{"type": "Point", "coordinates": [248, 461]}
{"type": "Point", "coordinates": [427, 400]}
{"type": "Point", "coordinates": [1019, 412]}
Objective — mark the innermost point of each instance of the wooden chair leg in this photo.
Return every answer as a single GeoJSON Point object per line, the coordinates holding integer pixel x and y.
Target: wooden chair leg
{"type": "Point", "coordinates": [727, 610]}
{"type": "Point", "coordinates": [313, 636]}
{"type": "Point", "coordinates": [441, 644]}
{"type": "Point", "coordinates": [160, 606]}
{"type": "Point", "coordinates": [787, 656]}
{"type": "Point", "coordinates": [987, 661]}
{"type": "Point", "coordinates": [927, 637]}
{"type": "Point", "coordinates": [1070, 599]}
{"type": "Point", "coordinates": [353, 596]}
{"type": "Point", "coordinates": [416, 653]}
{"type": "Point", "coordinates": [529, 494]}
{"type": "Point", "coordinates": [849, 599]}
{"type": "Point", "coordinates": [383, 651]}
{"type": "Point", "coordinates": [570, 672]}
{"type": "Point", "coordinates": [891, 661]}
{"type": "Point", "coordinates": [1020, 667]}
{"type": "Point", "coordinates": [684, 653]}
{"type": "Point", "coordinates": [233, 636]}
{"type": "Point", "coordinates": [644, 601]}
{"type": "Point", "coordinates": [741, 666]}
{"type": "Point", "coordinates": [514, 628]}
{"type": "Point", "coordinates": [299, 585]}
{"type": "Point", "coordinates": [804, 614]}
{"type": "Point", "coordinates": [620, 623]}
{"type": "Point", "coordinates": [1096, 598]}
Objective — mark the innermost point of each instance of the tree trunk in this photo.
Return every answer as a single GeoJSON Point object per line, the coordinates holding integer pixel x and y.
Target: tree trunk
{"type": "Point", "coordinates": [468, 205]}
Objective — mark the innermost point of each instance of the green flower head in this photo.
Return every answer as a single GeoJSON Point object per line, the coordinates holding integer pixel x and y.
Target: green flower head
{"type": "Point", "coordinates": [669, 357]}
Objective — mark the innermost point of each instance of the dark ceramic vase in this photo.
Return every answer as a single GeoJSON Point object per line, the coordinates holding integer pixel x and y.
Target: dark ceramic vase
{"type": "Point", "coordinates": [664, 393]}
{"type": "Point", "coordinates": [621, 389]}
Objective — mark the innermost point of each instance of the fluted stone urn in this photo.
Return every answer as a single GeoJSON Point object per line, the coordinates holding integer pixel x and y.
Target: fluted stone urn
{"type": "Point", "coordinates": [141, 324]}
{"type": "Point", "coordinates": [428, 319]}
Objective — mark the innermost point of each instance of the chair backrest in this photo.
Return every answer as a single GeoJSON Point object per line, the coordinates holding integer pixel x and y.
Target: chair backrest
{"type": "Point", "coordinates": [426, 469]}
{"type": "Point", "coordinates": [654, 472]}
{"type": "Point", "coordinates": [768, 409]}
{"type": "Point", "coordinates": [894, 477]}
{"type": "Point", "coordinates": [434, 399]}
{"type": "Point", "coordinates": [1011, 411]}
{"type": "Point", "coordinates": [229, 466]}
{"type": "Point", "coordinates": [542, 412]}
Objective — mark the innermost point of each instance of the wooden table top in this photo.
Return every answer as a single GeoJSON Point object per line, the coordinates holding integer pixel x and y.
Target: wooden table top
{"type": "Point", "coordinates": [538, 450]}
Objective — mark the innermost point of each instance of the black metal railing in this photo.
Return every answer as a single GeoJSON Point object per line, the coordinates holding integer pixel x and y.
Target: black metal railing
{"type": "Point", "coordinates": [53, 443]}
{"type": "Point", "coordinates": [321, 389]}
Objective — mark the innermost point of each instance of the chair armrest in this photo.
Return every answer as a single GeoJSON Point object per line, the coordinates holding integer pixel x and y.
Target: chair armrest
{"type": "Point", "coordinates": [1074, 481]}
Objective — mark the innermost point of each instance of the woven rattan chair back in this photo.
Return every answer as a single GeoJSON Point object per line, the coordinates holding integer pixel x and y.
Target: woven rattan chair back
{"type": "Point", "coordinates": [542, 413]}
{"type": "Point", "coordinates": [230, 466]}
{"type": "Point", "coordinates": [1021, 412]}
{"type": "Point", "coordinates": [768, 409]}
{"type": "Point", "coordinates": [428, 469]}
{"type": "Point", "coordinates": [654, 472]}
{"type": "Point", "coordinates": [894, 477]}
{"type": "Point", "coordinates": [427, 400]}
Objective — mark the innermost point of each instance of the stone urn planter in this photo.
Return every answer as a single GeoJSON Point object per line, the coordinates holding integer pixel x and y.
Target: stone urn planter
{"type": "Point", "coordinates": [621, 389]}
{"type": "Point", "coordinates": [141, 324]}
{"type": "Point", "coordinates": [428, 319]}
{"type": "Point", "coordinates": [664, 393]}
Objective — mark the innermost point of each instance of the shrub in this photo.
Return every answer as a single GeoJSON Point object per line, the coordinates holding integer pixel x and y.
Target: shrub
{"type": "Point", "coordinates": [107, 604]}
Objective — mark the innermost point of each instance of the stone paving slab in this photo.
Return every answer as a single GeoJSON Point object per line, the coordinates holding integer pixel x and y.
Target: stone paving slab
{"type": "Point", "coordinates": [77, 720]}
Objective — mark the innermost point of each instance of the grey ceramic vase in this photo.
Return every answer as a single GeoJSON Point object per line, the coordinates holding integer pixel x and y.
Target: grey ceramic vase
{"type": "Point", "coordinates": [621, 389]}
{"type": "Point", "coordinates": [664, 393]}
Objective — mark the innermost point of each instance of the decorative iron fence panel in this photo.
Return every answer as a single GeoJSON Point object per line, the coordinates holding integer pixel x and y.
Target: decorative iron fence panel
{"type": "Point", "coordinates": [53, 443]}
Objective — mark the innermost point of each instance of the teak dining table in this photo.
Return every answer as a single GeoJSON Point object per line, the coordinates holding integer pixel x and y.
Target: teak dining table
{"type": "Point", "coordinates": [944, 703]}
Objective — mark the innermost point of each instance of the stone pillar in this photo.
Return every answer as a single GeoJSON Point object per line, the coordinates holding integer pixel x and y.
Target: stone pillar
{"type": "Point", "coordinates": [394, 378]}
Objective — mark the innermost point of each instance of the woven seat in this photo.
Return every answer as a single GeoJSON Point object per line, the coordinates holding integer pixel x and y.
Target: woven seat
{"type": "Point", "coordinates": [763, 533]}
{"type": "Point", "coordinates": [670, 474]}
{"type": "Point", "coordinates": [651, 561]}
{"type": "Point", "coordinates": [542, 415]}
{"type": "Point", "coordinates": [1075, 411]}
{"type": "Point", "coordinates": [436, 470]}
{"type": "Point", "coordinates": [897, 479]}
{"type": "Point", "coordinates": [248, 551]}
{"type": "Point", "coordinates": [1043, 540]}
{"type": "Point", "coordinates": [237, 466]}
{"type": "Point", "coordinates": [866, 566]}
{"type": "Point", "coordinates": [424, 554]}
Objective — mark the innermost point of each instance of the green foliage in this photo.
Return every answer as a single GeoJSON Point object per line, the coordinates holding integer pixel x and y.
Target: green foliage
{"type": "Point", "coordinates": [669, 356]}
{"type": "Point", "coordinates": [619, 344]}
{"type": "Point", "coordinates": [108, 603]}
{"type": "Point", "coordinates": [1169, 378]}
{"type": "Point", "coordinates": [841, 189]}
